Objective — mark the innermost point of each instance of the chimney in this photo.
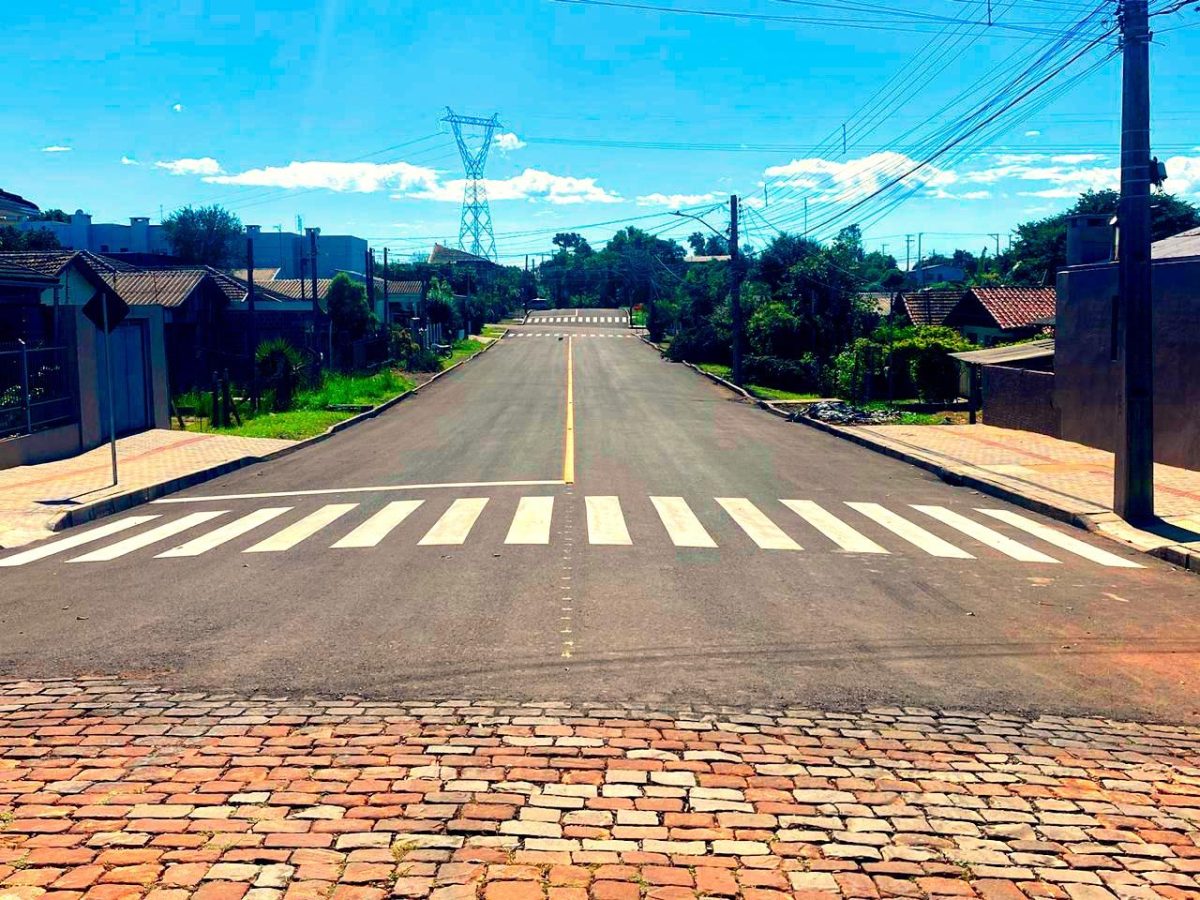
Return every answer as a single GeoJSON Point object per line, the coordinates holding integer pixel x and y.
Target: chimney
{"type": "Point", "coordinates": [1090, 239]}
{"type": "Point", "coordinates": [81, 230]}
{"type": "Point", "coordinates": [139, 234]}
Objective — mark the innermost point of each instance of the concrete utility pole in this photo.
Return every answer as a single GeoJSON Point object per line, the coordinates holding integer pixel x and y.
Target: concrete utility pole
{"type": "Point", "coordinates": [735, 288]}
{"type": "Point", "coordinates": [252, 325]}
{"type": "Point", "coordinates": [908, 241]}
{"type": "Point", "coordinates": [1134, 470]}
{"type": "Point", "coordinates": [387, 306]}
{"type": "Point", "coordinates": [920, 257]}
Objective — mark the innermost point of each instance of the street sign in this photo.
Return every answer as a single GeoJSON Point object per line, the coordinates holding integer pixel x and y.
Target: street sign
{"type": "Point", "coordinates": [117, 310]}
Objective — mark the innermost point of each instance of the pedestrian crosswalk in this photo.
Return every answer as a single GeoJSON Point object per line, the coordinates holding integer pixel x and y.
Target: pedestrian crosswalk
{"type": "Point", "coordinates": [577, 320]}
{"type": "Point", "coordinates": [571, 334]}
{"type": "Point", "coordinates": [785, 527]}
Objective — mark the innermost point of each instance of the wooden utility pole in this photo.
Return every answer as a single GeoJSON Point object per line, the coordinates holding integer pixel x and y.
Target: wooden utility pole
{"type": "Point", "coordinates": [252, 324]}
{"type": "Point", "coordinates": [735, 288]}
{"type": "Point", "coordinates": [1133, 498]}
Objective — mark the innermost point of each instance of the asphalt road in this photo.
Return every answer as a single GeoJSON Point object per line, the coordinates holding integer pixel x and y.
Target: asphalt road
{"type": "Point", "coordinates": [597, 590]}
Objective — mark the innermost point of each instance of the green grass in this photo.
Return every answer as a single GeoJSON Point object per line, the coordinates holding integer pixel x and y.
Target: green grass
{"type": "Point", "coordinates": [353, 390]}
{"type": "Point", "coordinates": [460, 350]}
{"type": "Point", "coordinates": [494, 331]}
{"type": "Point", "coordinates": [294, 425]}
{"type": "Point", "coordinates": [909, 418]}
{"type": "Point", "coordinates": [763, 393]}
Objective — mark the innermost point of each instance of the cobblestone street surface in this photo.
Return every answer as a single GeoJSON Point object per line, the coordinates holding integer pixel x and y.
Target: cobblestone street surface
{"type": "Point", "coordinates": [113, 790]}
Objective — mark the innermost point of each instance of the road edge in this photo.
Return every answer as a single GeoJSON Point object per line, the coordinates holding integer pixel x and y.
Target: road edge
{"type": "Point", "coordinates": [122, 502]}
{"type": "Point", "coordinates": [1098, 521]}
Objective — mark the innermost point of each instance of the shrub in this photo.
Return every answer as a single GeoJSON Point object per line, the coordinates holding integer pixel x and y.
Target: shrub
{"type": "Point", "coordinates": [279, 365]}
{"type": "Point", "coordinates": [801, 376]}
{"type": "Point", "coordinates": [408, 354]}
{"type": "Point", "coordinates": [700, 343]}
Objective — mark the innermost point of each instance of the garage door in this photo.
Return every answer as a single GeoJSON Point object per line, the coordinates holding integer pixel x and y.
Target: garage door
{"type": "Point", "coordinates": [131, 384]}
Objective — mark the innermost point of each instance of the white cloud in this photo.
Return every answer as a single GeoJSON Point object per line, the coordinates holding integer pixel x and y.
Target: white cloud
{"type": "Point", "coordinates": [1052, 194]}
{"type": "Point", "coordinates": [178, 107]}
{"type": "Point", "coordinates": [1075, 159]}
{"type": "Point", "coordinates": [943, 194]}
{"type": "Point", "coordinates": [1183, 175]}
{"type": "Point", "coordinates": [1033, 133]}
{"type": "Point", "coordinates": [532, 184]}
{"type": "Point", "coordinates": [204, 165]}
{"type": "Point", "coordinates": [56, 148]}
{"type": "Point", "coordinates": [508, 142]}
{"type": "Point", "coordinates": [843, 182]}
{"type": "Point", "coordinates": [1070, 177]}
{"type": "Point", "coordinates": [676, 201]}
{"type": "Point", "coordinates": [129, 161]}
{"type": "Point", "coordinates": [342, 177]}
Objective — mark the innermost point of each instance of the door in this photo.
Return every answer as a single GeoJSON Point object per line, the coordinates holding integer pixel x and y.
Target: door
{"type": "Point", "coordinates": [130, 379]}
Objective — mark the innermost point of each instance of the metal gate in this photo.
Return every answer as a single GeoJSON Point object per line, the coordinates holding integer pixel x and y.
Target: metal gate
{"type": "Point", "coordinates": [130, 379]}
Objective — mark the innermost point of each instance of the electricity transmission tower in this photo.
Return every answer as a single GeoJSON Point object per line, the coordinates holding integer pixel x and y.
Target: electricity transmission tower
{"type": "Point", "coordinates": [475, 232]}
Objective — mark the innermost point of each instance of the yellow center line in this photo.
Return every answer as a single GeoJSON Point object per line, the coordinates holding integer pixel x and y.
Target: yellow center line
{"type": "Point", "coordinates": [569, 444]}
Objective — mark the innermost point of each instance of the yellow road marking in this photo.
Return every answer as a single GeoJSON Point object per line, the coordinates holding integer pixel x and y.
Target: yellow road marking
{"type": "Point", "coordinates": [569, 444]}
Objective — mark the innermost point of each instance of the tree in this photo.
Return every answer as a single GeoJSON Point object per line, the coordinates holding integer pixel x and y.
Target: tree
{"type": "Point", "coordinates": [1040, 248]}
{"type": "Point", "coordinates": [14, 240]}
{"type": "Point", "coordinates": [52, 215]}
{"type": "Point", "coordinates": [206, 236]}
{"type": "Point", "coordinates": [349, 313]}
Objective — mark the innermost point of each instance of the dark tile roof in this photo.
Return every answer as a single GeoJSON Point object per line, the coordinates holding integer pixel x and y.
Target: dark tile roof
{"type": "Point", "coordinates": [441, 254]}
{"type": "Point", "coordinates": [156, 287]}
{"type": "Point", "coordinates": [297, 288]}
{"type": "Point", "coordinates": [44, 262]}
{"type": "Point", "coordinates": [13, 274]}
{"type": "Point", "coordinates": [261, 274]}
{"type": "Point", "coordinates": [930, 307]}
{"type": "Point", "coordinates": [1016, 307]}
{"type": "Point", "coordinates": [398, 288]}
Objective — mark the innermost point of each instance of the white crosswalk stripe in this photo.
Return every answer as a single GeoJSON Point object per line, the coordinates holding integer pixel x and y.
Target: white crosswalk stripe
{"type": "Point", "coordinates": [531, 524]}
{"type": "Point", "coordinates": [757, 526]}
{"type": "Point", "coordinates": [380, 525]}
{"type": "Point", "coordinates": [677, 522]}
{"type": "Point", "coordinates": [455, 524]}
{"type": "Point", "coordinates": [1062, 541]}
{"type": "Point", "coordinates": [832, 527]}
{"type": "Point", "coordinates": [298, 531]}
{"type": "Point", "coordinates": [910, 531]}
{"type": "Point", "coordinates": [225, 533]}
{"type": "Point", "coordinates": [75, 540]}
{"type": "Point", "coordinates": [605, 522]}
{"type": "Point", "coordinates": [681, 523]}
{"type": "Point", "coordinates": [985, 535]}
{"type": "Point", "coordinates": [146, 538]}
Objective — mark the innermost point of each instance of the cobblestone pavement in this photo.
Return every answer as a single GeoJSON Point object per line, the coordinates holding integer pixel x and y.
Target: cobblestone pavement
{"type": "Point", "coordinates": [116, 790]}
{"type": "Point", "coordinates": [35, 497]}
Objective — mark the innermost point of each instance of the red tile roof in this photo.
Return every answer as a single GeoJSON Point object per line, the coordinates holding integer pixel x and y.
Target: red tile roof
{"type": "Point", "coordinates": [1016, 307]}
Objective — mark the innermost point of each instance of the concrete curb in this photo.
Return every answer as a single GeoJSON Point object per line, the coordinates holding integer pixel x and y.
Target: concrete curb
{"type": "Point", "coordinates": [112, 505]}
{"type": "Point", "coordinates": [1081, 515]}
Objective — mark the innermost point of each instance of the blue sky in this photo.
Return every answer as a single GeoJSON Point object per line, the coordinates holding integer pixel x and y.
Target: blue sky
{"type": "Point", "coordinates": [330, 110]}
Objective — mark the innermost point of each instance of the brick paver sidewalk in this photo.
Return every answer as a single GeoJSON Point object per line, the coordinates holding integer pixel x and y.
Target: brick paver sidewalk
{"type": "Point", "coordinates": [33, 498]}
{"type": "Point", "coordinates": [115, 791]}
{"type": "Point", "coordinates": [1065, 475]}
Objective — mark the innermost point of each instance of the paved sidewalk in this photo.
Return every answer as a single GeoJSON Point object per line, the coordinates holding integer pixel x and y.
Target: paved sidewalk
{"type": "Point", "coordinates": [116, 790]}
{"type": "Point", "coordinates": [1071, 478]}
{"type": "Point", "coordinates": [34, 498]}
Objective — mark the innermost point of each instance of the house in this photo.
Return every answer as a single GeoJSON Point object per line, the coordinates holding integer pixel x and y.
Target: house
{"type": "Point", "coordinates": [15, 209]}
{"type": "Point", "coordinates": [1087, 356]}
{"type": "Point", "coordinates": [995, 315]}
{"type": "Point", "coordinates": [65, 369]}
{"type": "Point", "coordinates": [404, 298]}
{"type": "Point", "coordinates": [921, 276]}
{"type": "Point", "coordinates": [983, 315]}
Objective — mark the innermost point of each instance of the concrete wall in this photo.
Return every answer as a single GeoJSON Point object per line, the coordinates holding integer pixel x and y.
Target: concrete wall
{"type": "Point", "coordinates": [41, 446]}
{"type": "Point", "coordinates": [1022, 399]}
{"type": "Point", "coordinates": [1088, 378]}
{"type": "Point", "coordinates": [335, 252]}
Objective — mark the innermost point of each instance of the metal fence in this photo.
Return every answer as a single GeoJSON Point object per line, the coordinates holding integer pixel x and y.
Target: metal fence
{"type": "Point", "coordinates": [35, 388]}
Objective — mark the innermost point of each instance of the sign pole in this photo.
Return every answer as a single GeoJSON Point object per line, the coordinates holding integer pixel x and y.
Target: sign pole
{"type": "Point", "coordinates": [112, 415]}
